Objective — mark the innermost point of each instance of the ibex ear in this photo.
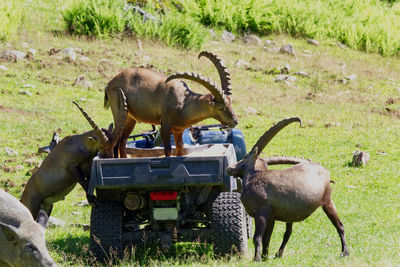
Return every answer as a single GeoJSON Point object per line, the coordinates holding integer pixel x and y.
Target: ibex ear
{"type": "Point", "coordinates": [10, 233]}
{"type": "Point", "coordinates": [110, 127]}
{"type": "Point", "coordinates": [42, 218]}
{"type": "Point", "coordinates": [92, 139]}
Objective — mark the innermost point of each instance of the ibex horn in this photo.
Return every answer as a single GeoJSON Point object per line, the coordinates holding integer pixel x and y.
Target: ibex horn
{"type": "Point", "coordinates": [123, 112]}
{"type": "Point", "coordinates": [211, 86]}
{"type": "Point", "coordinates": [268, 135]}
{"type": "Point", "coordinates": [222, 71]}
{"type": "Point", "coordinates": [99, 132]}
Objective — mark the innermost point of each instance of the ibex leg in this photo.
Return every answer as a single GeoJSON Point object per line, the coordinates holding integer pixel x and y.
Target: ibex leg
{"type": "Point", "coordinates": [166, 137]}
{"type": "Point", "coordinates": [128, 128]}
{"type": "Point", "coordinates": [178, 143]}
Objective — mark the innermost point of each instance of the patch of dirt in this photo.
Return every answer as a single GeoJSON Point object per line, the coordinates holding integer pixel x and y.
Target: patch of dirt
{"type": "Point", "coordinates": [13, 110]}
{"type": "Point", "coordinates": [7, 184]}
{"type": "Point", "coordinates": [388, 112]}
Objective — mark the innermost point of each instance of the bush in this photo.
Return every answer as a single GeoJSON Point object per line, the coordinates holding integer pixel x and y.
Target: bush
{"type": "Point", "coordinates": [99, 18]}
{"type": "Point", "coordinates": [174, 29]}
{"type": "Point", "coordinates": [11, 16]}
{"type": "Point", "coordinates": [367, 25]}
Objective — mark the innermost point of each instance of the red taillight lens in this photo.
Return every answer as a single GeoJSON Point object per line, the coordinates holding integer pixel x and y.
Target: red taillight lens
{"type": "Point", "coordinates": [163, 195]}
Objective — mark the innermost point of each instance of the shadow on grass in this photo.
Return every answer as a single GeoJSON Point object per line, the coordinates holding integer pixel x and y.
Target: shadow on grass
{"type": "Point", "coordinates": [75, 250]}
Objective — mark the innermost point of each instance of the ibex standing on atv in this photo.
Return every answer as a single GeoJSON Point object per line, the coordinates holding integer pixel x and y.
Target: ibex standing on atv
{"type": "Point", "coordinates": [154, 98]}
{"type": "Point", "coordinates": [67, 164]}
{"type": "Point", "coordinates": [289, 195]}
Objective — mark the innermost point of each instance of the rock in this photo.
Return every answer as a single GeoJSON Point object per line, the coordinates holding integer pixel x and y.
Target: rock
{"type": "Point", "coordinates": [285, 78]}
{"type": "Point", "coordinates": [308, 52]}
{"type": "Point", "coordinates": [85, 227]}
{"type": "Point", "coordinates": [32, 52]}
{"type": "Point", "coordinates": [25, 45]}
{"type": "Point", "coordinates": [83, 59]}
{"type": "Point", "coordinates": [285, 69]}
{"type": "Point", "coordinates": [351, 77]}
{"type": "Point", "coordinates": [69, 54]}
{"type": "Point", "coordinates": [10, 151]}
{"type": "Point", "coordinates": [104, 61]}
{"type": "Point", "coordinates": [341, 45]}
{"type": "Point", "coordinates": [54, 222]}
{"type": "Point", "coordinates": [24, 92]}
{"type": "Point", "coordinates": [83, 203]}
{"type": "Point", "coordinates": [12, 55]}
{"type": "Point", "coordinates": [81, 81]}
{"type": "Point", "coordinates": [242, 64]}
{"type": "Point", "coordinates": [250, 110]}
{"type": "Point", "coordinates": [332, 124]}
{"type": "Point", "coordinates": [302, 74]}
{"type": "Point", "coordinates": [252, 39]}
{"type": "Point", "coordinates": [213, 34]}
{"type": "Point", "coordinates": [227, 37]}
{"type": "Point", "coordinates": [2, 67]}
{"type": "Point", "coordinates": [360, 158]}
{"type": "Point", "coordinates": [28, 86]}
{"type": "Point", "coordinates": [272, 50]}
{"type": "Point", "coordinates": [313, 42]}
{"type": "Point", "coordinates": [287, 49]}
{"type": "Point", "coordinates": [269, 43]}
{"type": "Point", "coordinates": [76, 213]}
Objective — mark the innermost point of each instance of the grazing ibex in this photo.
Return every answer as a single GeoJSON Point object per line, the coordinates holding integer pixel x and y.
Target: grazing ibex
{"type": "Point", "coordinates": [21, 238]}
{"type": "Point", "coordinates": [67, 164]}
{"type": "Point", "coordinates": [154, 98]}
{"type": "Point", "coordinates": [289, 195]}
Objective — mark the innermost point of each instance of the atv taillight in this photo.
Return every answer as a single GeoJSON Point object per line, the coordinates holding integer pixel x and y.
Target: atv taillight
{"type": "Point", "coordinates": [163, 195]}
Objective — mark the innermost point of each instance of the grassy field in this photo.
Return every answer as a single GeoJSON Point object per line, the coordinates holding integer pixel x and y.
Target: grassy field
{"type": "Point", "coordinates": [338, 118]}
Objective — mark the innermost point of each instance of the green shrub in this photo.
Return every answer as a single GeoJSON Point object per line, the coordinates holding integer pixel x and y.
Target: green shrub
{"type": "Point", "coordinates": [367, 25]}
{"type": "Point", "coordinates": [99, 18]}
{"type": "Point", "coordinates": [11, 16]}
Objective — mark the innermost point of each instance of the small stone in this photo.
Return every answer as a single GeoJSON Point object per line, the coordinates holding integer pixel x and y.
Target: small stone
{"type": "Point", "coordinates": [287, 49]}
{"type": "Point", "coordinates": [31, 52]}
{"type": "Point", "coordinates": [83, 203]}
{"type": "Point", "coordinates": [332, 124]}
{"type": "Point", "coordinates": [213, 34]}
{"type": "Point", "coordinates": [28, 86]}
{"type": "Point", "coordinates": [69, 54]}
{"type": "Point", "coordinates": [285, 78]}
{"type": "Point", "coordinates": [24, 92]}
{"type": "Point", "coordinates": [76, 213]}
{"type": "Point", "coordinates": [83, 59]}
{"type": "Point", "coordinates": [351, 186]}
{"type": "Point", "coordinates": [250, 110]}
{"type": "Point", "coordinates": [25, 45]}
{"type": "Point", "coordinates": [81, 81]}
{"type": "Point", "coordinates": [313, 42]}
{"type": "Point", "coordinates": [271, 50]}
{"type": "Point", "coordinates": [252, 40]}
{"type": "Point", "coordinates": [285, 69]}
{"type": "Point", "coordinates": [85, 227]}
{"type": "Point", "coordinates": [227, 37]}
{"type": "Point", "coordinates": [352, 77]}
{"type": "Point", "coordinates": [269, 43]}
{"type": "Point", "coordinates": [18, 168]}
{"type": "Point", "coordinates": [2, 67]}
{"type": "Point", "coordinates": [146, 59]}
{"type": "Point", "coordinates": [104, 61]}
{"type": "Point", "coordinates": [242, 64]}
{"type": "Point", "coordinates": [54, 222]}
{"type": "Point", "coordinates": [12, 55]}
{"type": "Point", "coordinates": [10, 151]}
{"type": "Point", "coordinates": [360, 158]}
{"type": "Point", "coordinates": [341, 45]}
{"type": "Point", "coordinates": [302, 74]}
{"type": "Point", "coordinates": [307, 52]}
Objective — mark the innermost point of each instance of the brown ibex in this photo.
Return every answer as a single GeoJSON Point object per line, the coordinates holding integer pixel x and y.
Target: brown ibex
{"type": "Point", "coordinates": [289, 195]}
{"type": "Point", "coordinates": [21, 238]}
{"type": "Point", "coordinates": [67, 164]}
{"type": "Point", "coordinates": [154, 98]}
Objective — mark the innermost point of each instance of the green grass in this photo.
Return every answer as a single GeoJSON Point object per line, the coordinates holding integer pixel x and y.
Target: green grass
{"type": "Point", "coordinates": [11, 15]}
{"type": "Point", "coordinates": [366, 198]}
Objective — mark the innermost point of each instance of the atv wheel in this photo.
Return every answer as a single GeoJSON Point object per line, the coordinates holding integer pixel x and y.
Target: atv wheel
{"type": "Point", "coordinates": [106, 230]}
{"type": "Point", "coordinates": [229, 226]}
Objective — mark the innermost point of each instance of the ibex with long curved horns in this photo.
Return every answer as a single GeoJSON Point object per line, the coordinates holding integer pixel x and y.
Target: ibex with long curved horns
{"type": "Point", "coordinates": [154, 98]}
{"type": "Point", "coordinates": [289, 195]}
{"type": "Point", "coordinates": [69, 163]}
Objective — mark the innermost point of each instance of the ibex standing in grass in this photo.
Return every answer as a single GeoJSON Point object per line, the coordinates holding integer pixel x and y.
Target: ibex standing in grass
{"type": "Point", "coordinates": [154, 98]}
{"type": "Point", "coordinates": [289, 195]}
{"type": "Point", "coordinates": [69, 163]}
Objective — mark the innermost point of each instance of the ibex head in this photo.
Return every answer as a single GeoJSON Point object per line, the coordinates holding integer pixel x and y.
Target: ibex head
{"type": "Point", "coordinates": [249, 161]}
{"type": "Point", "coordinates": [104, 140]}
{"type": "Point", "coordinates": [222, 103]}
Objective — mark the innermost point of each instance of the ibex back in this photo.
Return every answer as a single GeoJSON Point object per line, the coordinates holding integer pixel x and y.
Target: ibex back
{"type": "Point", "coordinates": [157, 99]}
